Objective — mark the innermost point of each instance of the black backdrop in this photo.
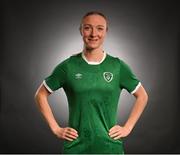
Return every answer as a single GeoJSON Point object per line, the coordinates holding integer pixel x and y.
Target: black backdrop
{"type": "Point", "coordinates": [37, 35]}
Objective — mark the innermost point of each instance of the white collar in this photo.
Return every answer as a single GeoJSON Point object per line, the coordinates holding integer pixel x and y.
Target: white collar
{"type": "Point", "coordinates": [93, 62]}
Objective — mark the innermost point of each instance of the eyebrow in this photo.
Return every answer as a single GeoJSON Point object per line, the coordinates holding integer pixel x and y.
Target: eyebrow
{"type": "Point", "coordinates": [92, 25]}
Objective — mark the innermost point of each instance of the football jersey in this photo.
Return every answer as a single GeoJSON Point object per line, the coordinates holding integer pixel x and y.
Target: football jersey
{"type": "Point", "coordinates": [92, 91]}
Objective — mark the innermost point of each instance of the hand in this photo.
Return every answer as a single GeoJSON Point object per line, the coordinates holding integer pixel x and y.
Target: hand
{"type": "Point", "coordinates": [117, 132]}
{"type": "Point", "coordinates": [66, 133]}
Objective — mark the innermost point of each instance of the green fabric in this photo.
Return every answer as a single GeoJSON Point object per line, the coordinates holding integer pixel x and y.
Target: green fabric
{"type": "Point", "coordinates": [93, 93]}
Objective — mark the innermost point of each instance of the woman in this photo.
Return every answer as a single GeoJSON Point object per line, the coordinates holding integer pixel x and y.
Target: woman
{"type": "Point", "coordinates": [92, 81]}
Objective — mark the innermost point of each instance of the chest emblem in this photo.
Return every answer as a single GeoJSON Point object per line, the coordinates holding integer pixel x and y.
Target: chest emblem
{"type": "Point", "coordinates": [108, 76]}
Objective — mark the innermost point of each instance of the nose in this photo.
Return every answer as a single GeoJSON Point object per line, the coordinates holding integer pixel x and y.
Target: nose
{"type": "Point", "coordinates": [93, 32]}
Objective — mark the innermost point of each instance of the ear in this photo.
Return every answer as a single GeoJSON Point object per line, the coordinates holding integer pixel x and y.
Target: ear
{"type": "Point", "coordinates": [80, 30]}
{"type": "Point", "coordinates": [107, 29]}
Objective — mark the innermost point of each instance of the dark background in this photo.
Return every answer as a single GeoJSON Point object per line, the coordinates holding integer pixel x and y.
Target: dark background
{"type": "Point", "coordinates": [37, 35]}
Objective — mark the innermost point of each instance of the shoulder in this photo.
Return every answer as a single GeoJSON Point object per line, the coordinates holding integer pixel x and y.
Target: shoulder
{"type": "Point", "coordinates": [68, 61]}
{"type": "Point", "coordinates": [75, 56]}
{"type": "Point", "coordinates": [115, 60]}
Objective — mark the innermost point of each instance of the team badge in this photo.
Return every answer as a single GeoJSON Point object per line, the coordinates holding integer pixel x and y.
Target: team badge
{"type": "Point", "coordinates": [108, 76]}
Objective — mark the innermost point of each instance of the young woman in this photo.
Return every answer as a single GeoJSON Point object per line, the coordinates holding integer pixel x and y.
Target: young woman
{"type": "Point", "coordinates": [92, 81]}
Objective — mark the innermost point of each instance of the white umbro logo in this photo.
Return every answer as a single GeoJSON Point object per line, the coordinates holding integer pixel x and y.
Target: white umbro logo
{"type": "Point", "coordinates": [78, 76]}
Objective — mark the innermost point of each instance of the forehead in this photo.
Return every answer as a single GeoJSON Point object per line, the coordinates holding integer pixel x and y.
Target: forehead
{"type": "Point", "coordinates": [94, 20]}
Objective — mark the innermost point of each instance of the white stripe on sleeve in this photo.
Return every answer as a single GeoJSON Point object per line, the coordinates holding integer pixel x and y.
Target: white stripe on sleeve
{"type": "Point", "coordinates": [139, 84]}
{"type": "Point", "coordinates": [47, 87]}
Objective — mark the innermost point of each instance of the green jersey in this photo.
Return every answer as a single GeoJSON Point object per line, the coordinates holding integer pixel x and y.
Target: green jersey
{"type": "Point", "coordinates": [92, 91]}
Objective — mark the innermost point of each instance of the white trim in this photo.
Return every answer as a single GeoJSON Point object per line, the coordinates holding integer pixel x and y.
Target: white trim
{"type": "Point", "coordinates": [93, 62]}
{"type": "Point", "coordinates": [47, 87]}
{"type": "Point", "coordinates": [139, 84]}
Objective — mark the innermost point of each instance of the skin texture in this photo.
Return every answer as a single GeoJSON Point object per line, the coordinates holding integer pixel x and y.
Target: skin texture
{"type": "Point", "coordinates": [93, 30]}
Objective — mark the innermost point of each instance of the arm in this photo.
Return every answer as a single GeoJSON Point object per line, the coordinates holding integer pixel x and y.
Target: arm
{"type": "Point", "coordinates": [139, 105]}
{"type": "Point", "coordinates": [41, 98]}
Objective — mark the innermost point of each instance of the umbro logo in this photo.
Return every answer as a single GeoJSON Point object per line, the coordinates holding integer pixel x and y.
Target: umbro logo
{"type": "Point", "coordinates": [108, 76]}
{"type": "Point", "coordinates": [78, 76]}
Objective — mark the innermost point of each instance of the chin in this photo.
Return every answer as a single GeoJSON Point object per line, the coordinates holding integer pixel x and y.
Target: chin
{"type": "Point", "coordinates": [92, 47]}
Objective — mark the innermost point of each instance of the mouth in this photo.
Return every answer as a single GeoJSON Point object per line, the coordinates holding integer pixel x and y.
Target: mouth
{"type": "Point", "coordinates": [93, 40]}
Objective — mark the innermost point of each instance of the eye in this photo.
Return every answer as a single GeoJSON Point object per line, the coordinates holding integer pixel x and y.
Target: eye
{"type": "Point", "coordinates": [86, 28]}
{"type": "Point", "coordinates": [100, 29]}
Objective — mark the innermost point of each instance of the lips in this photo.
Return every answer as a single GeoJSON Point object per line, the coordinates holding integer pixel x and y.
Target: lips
{"type": "Point", "coordinates": [93, 40]}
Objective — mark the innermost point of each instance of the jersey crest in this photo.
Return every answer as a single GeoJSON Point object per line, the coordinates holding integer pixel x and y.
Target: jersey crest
{"type": "Point", "coordinates": [108, 76]}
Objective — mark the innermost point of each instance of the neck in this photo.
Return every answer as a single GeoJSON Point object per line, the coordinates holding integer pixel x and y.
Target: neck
{"type": "Point", "coordinates": [95, 55]}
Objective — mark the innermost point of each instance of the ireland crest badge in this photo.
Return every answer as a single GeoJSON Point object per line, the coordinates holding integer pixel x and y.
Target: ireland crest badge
{"type": "Point", "coordinates": [108, 76]}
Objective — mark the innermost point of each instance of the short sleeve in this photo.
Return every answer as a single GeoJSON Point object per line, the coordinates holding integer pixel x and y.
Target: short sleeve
{"type": "Point", "coordinates": [56, 79]}
{"type": "Point", "coordinates": [128, 80]}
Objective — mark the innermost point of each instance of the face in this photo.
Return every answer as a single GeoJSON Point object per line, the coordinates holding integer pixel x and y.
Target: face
{"type": "Point", "coordinates": [93, 31]}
